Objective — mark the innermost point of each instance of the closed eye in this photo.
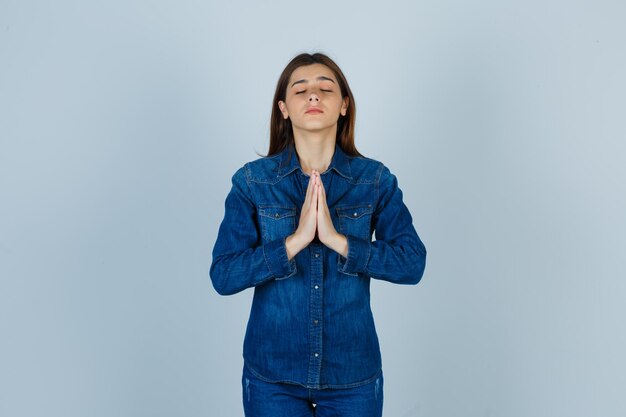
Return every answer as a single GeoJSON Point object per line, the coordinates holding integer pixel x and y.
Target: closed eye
{"type": "Point", "coordinates": [326, 91]}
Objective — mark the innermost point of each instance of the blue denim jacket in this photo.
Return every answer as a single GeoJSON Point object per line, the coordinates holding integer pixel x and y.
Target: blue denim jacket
{"type": "Point", "coordinates": [311, 322]}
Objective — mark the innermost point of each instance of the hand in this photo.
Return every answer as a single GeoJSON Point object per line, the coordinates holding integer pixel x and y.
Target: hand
{"type": "Point", "coordinates": [325, 229]}
{"type": "Point", "coordinates": [307, 225]}
{"type": "Point", "coordinates": [315, 219]}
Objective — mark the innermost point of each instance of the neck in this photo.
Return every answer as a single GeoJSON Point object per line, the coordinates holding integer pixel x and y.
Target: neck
{"type": "Point", "coordinates": [314, 151]}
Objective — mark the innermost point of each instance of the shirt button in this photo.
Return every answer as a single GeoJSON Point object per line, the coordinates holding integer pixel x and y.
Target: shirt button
{"type": "Point", "coordinates": [354, 214]}
{"type": "Point", "coordinates": [316, 354]}
{"type": "Point", "coordinates": [317, 255]}
{"type": "Point", "coordinates": [316, 287]}
{"type": "Point", "coordinates": [315, 321]}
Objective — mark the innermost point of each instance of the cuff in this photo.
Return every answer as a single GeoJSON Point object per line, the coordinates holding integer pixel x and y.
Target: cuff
{"type": "Point", "coordinates": [358, 256]}
{"type": "Point", "coordinates": [278, 263]}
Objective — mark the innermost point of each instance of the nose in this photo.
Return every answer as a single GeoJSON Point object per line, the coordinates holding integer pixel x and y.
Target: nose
{"type": "Point", "coordinates": [313, 97]}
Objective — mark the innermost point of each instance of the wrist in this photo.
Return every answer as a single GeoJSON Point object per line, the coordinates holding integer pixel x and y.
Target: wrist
{"type": "Point", "coordinates": [294, 244]}
{"type": "Point", "coordinates": [339, 243]}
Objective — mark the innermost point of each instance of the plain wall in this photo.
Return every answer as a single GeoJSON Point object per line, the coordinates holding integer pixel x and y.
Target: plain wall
{"type": "Point", "coordinates": [121, 124]}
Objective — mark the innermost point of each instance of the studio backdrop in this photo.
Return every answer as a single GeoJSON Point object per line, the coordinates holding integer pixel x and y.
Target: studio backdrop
{"type": "Point", "coordinates": [121, 124]}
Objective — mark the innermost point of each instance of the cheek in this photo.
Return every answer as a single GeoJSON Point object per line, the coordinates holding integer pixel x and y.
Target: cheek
{"type": "Point", "coordinates": [292, 103]}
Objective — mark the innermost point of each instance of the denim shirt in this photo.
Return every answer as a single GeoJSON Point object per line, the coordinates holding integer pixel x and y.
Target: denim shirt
{"type": "Point", "coordinates": [310, 322]}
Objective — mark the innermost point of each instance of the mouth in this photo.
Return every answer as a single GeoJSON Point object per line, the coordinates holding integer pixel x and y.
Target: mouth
{"type": "Point", "coordinates": [314, 111]}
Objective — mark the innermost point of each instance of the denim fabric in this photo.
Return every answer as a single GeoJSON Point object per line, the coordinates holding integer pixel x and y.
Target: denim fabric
{"type": "Point", "coordinates": [310, 322]}
{"type": "Point", "coordinates": [265, 399]}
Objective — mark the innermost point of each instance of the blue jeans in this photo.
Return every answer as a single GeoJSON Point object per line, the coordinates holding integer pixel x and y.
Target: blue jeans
{"type": "Point", "coordinates": [266, 399]}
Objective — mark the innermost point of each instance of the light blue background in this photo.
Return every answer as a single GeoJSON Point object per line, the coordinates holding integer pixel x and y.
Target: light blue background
{"type": "Point", "coordinates": [121, 124]}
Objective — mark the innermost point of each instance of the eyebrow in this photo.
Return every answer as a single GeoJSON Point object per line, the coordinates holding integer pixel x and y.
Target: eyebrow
{"type": "Point", "coordinates": [320, 78]}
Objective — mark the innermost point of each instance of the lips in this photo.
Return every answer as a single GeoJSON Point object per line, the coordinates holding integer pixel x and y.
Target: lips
{"type": "Point", "coordinates": [314, 110]}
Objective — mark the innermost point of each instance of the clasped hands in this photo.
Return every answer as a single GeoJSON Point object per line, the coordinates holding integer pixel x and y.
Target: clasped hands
{"type": "Point", "coordinates": [315, 220]}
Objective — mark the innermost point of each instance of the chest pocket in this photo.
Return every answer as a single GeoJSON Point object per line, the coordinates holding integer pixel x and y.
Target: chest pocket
{"type": "Point", "coordinates": [277, 221]}
{"type": "Point", "coordinates": [356, 220]}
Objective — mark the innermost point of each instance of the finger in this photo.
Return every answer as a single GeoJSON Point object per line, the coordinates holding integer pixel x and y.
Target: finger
{"type": "Point", "coordinates": [320, 203]}
{"type": "Point", "coordinates": [322, 192]}
{"type": "Point", "coordinates": [322, 207]}
{"type": "Point", "coordinates": [319, 188]}
{"type": "Point", "coordinates": [310, 189]}
{"type": "Point", "coordinates": [315, 195]}
{"type": "Point", "coordinates": [316, 182]}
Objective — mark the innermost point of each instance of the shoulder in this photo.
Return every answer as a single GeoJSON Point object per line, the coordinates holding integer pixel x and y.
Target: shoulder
{"type": "Point", "coordinates": [259, 169]}
{"type": "Point", "coordinates": [365, 169]}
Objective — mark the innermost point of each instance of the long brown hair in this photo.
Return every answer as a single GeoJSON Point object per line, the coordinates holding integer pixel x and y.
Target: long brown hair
{"type": "Point", "coordinates": [281, 131]}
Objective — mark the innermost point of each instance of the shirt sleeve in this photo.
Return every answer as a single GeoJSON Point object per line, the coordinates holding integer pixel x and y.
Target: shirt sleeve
{"type": "Point", "coordinates": [240, 259]}
{"type": "Point", "coordinates": [398, 254]}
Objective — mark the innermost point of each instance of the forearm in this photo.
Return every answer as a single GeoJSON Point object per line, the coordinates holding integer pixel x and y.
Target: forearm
{"type": "Point", "coordinates": [234, 272]}
{"type": "Point", "coordinates": [402, 262]}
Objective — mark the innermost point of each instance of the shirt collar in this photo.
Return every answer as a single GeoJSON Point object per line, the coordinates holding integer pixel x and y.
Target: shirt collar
{"type": "Point", "coordinates": [289, 162]}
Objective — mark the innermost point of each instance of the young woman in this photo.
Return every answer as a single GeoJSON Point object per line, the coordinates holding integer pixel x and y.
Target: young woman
{"type": "Point", "coordinates": [298, 228]}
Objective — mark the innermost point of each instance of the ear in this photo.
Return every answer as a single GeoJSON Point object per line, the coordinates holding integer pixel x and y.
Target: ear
{"type": "Point", "coordinates": [283, 109]}
{"type": "Point", "coordinates": [344, 106]}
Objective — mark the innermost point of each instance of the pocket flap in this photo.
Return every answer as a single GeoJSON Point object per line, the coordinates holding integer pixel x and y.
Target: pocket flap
{"type": "Point", "coordinates": [277, 212]}
{"type": "Point", "coordinates": [354, 212]}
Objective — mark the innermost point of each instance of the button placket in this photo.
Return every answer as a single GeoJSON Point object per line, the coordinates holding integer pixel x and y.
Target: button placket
{"type": "Point", "coordinates": [315, 311]}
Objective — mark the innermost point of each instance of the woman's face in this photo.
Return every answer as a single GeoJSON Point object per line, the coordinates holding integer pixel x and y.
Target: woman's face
{"type": "Point", "coordinates": [313, 99]}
